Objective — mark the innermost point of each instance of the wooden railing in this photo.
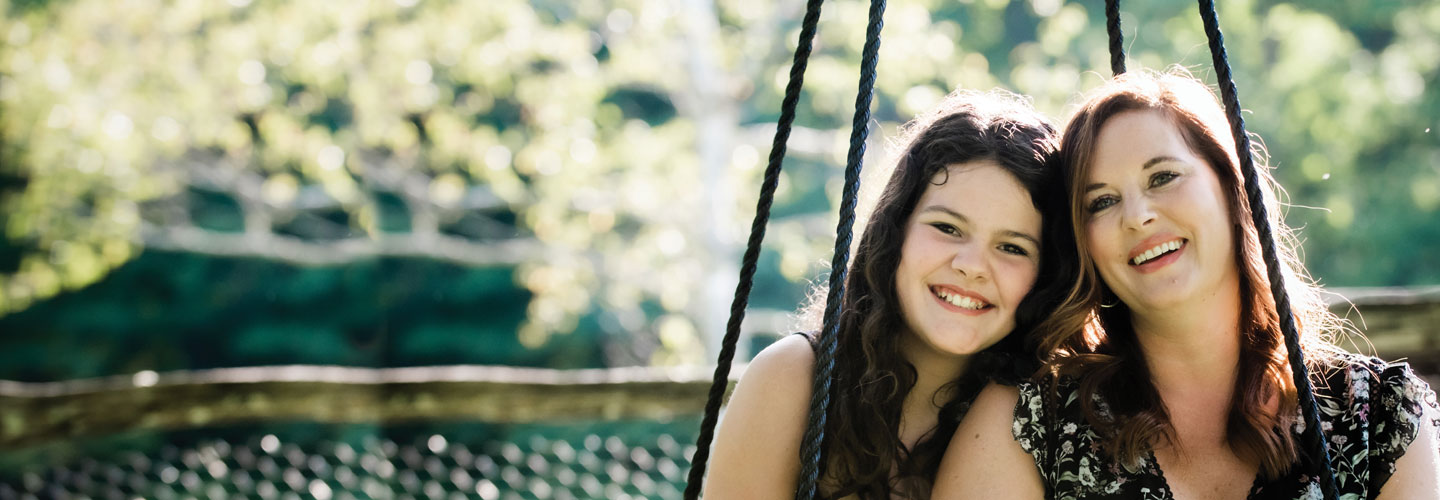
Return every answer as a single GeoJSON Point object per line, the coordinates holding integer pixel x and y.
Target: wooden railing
{"type": "Point", "coordinates": [1400, 323]}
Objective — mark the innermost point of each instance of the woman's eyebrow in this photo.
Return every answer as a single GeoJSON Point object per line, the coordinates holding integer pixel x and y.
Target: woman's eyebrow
{"type": "Point", "coordinates": [1148, 163]}
{"type": "Point", "coordinates": [1158, 160]}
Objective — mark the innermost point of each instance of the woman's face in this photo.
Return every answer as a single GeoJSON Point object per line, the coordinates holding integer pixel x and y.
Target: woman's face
{"type": "Point", "coordinates": [971, 253]}
{"type": "Point", "coordinates": [1156, 219]}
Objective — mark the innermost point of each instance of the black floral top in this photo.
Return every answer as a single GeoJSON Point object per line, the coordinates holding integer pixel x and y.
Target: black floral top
{"type": "Point", "coordinates": [1370, 412]}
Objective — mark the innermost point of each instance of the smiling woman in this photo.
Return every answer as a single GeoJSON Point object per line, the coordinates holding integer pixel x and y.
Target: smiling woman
{"type": "Point", "coordinates": [1167, 375]}
{"type": "Point", "coordinates": [966, 245]}
{"type": "Point", "coordinates": [1151, 202]}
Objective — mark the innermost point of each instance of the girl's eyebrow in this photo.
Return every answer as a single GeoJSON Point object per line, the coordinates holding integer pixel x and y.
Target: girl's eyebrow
{"type": "Point", "coordinates": [1009, 233]}
{"type": "Point", "coordinates": [945, 210]}
{"type": "Point", "coordinates": [1148, 163]}
{"type": "Point", "coordinates": [1024, 236]}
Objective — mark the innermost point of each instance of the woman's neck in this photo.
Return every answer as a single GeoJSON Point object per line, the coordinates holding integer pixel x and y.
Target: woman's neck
{"type": "Point", "coordinates": [1193, 350]}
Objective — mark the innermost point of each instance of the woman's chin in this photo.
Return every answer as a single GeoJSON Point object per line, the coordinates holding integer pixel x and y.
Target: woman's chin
{"type": "Point", "coordinates": [1160, 300]}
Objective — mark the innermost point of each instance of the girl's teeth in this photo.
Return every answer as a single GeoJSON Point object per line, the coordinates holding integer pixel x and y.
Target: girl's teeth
{"type": "Point", "coordinates": [961, 301]}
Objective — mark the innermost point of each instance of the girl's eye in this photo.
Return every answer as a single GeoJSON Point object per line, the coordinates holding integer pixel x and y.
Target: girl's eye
{"type": "Point", "coordinates": [946, 228]}
{"type": "Point", "coordinates": [1162, 178]}
{"type": "Point", "coordinates": [1101, 202]}
{"type": "Point", "coordinates": [1014, 249]}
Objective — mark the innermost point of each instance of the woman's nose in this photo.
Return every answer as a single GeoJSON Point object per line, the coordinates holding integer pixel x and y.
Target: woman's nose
{"type": "Point", "coordinates": [1138, 213]}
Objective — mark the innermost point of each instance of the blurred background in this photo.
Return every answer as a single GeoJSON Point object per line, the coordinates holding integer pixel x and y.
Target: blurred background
{"type": "Point", "coordinates": [493, 244]}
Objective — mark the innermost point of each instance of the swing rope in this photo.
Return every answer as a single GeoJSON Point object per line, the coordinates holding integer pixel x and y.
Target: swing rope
{"type": "Point", "coordinates": [1117, 37]}
{"type": "Point", "coordinates": [810, 446]}
{"type": "Point", "coordinates": [825, 357]}
{"type": "Point", "coordinates": [1314, 439]}
{"type": "Point", "coordinates": [752, 249]}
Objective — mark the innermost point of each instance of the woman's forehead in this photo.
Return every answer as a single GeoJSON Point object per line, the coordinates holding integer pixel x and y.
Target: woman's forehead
{"type": "Point", "coordinates": [1132, 140]}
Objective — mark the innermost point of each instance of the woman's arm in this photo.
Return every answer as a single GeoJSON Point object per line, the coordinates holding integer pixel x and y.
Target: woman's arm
{"type": "Point", "coordinates": [1417, 472]}
{"type": "Point", "coordinates": [757, 443]}
{"type": "Point", "coordinates": [984, 461]}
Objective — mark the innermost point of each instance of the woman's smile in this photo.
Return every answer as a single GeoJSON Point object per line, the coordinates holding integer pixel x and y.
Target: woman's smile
{"type": "Point", "coordinates": [1156, 252]}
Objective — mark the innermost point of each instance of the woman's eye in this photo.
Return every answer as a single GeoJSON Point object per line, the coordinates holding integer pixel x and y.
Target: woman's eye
{"type": "Point", "coordinates": [1101, 203]}
{"type": "Point", "coordinates": [1014, 249]}
{"type": "Point", "coordinates": [1162, 178]}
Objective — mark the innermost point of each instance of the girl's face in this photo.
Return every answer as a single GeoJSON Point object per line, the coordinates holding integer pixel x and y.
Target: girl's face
{"type": "Point", "coordinates": [971, 253]}
{"type": "Point", "coordinates": [1156, 219]}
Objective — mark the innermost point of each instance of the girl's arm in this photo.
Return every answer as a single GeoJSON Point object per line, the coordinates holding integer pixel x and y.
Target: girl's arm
{"type": "Point", "coordinates": [756, 453]}
{"type": "Point", "coordinates": [984, 460]}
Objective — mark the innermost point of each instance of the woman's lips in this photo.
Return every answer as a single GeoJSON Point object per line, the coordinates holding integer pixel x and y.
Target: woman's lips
{"type": "Point", "coordinates": [1159, 255]}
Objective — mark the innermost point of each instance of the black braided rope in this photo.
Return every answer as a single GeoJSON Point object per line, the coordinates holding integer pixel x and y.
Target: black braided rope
{"type": "Point", "coordinates": [752, 249]}
{"type": "Point", "coordinates": [1117, 37]}
{"type": "Point", "coordinates": [810, 447]}
{"type": "Point", "coordinates": [1314, 439]}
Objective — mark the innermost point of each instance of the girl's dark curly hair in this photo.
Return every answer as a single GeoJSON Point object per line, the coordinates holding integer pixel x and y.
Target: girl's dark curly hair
{"type": "Point", "coordinates": [863, 454]}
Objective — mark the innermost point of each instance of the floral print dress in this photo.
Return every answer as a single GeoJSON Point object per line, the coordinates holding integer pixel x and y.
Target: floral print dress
{"type": "Point", "coordinates": [1370, 411]}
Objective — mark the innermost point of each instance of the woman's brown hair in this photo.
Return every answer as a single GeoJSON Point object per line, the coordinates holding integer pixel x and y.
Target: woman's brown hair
{"type": "Point", "coordinates": [1098, 347]}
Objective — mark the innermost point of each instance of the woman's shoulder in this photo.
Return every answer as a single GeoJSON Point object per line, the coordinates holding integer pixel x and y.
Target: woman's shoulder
{"type": "Point", "coordinates": [1369, 390]}
{"type": "Point", "coordinates": [1378, 406]}
{"type": "Point", "coordinates": [1058, 394]}
{"type": "Point", "coordinates": [1352, 377]}
{"type": "Point", "coordinates": [1048, 409]}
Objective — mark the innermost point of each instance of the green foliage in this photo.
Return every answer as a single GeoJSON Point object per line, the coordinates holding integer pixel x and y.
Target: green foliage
{"type": "Point", "coordinates": [625, 138]}
{"type": "Point", "coordinates": [167, 312]}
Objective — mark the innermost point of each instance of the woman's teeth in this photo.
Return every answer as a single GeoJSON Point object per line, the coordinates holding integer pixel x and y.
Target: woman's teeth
{"type": "Point", "coordinates": [1159, 250]}
{"type": "Point", "coordinates": [962, 301]}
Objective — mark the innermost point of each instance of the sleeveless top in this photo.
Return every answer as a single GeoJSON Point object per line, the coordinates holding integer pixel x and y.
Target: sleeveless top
{"type": "Point", "coordinates": [989, 366]}
{"type": "Point", "coordinates": [1370, 411]}
{"type": "Point", "coordinates": [812, 338]}
{"type": "Point", "coordinates": [1001, 368]}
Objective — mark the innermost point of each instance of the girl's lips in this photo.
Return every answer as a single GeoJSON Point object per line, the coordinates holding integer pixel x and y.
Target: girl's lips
{"type": "Point", "coordinates": [935, 294]}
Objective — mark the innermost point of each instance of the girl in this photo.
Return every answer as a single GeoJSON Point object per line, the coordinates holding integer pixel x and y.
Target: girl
{"type": "Point", "coordinates": [1168, 372]}
{"type": "Point", "coordinates": [966, 244]}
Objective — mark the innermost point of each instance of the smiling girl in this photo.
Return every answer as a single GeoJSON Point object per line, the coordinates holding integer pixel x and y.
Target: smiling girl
{"type": "Point", "coordinates": [966, 244]}
{"type": "Point", "coordinates": [1168, 376]}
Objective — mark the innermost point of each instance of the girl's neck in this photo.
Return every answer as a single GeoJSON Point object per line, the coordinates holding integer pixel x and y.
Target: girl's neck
{"type": "Point", "coordinates": [933, 371]}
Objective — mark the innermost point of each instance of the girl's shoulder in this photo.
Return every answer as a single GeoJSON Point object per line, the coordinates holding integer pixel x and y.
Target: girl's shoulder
{"type": "Point", "coordinates": [757, 441]}
{"type": "Point", "coordinates": [786, 362]}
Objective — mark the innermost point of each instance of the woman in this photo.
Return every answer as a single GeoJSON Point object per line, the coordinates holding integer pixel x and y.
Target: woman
{"type": "Point", "coordinates": [966, 226]}
{"type": "Point", "coordinates": [1167, 366]}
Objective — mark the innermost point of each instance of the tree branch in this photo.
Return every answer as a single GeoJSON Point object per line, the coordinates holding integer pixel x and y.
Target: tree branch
{"type": "Point", "coordinates": [330, 253]}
